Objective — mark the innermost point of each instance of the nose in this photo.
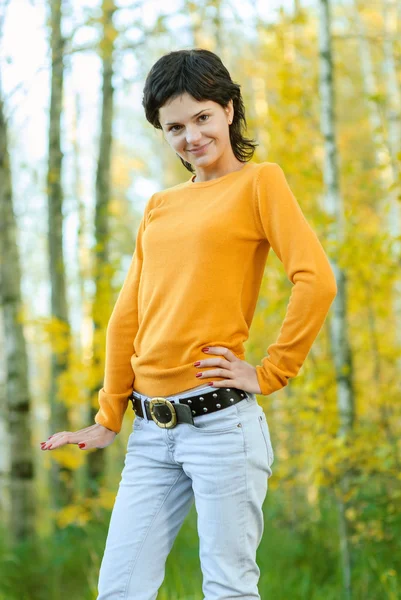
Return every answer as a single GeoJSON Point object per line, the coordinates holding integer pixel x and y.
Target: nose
{"type": "Point", "coordinates": [193, 135]}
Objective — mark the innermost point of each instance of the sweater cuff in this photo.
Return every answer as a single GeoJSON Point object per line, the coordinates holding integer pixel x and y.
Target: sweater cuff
{"type": "Point", "coordinates": [270, 378]}
{"type": "Point", "coordinates": [112, 410]}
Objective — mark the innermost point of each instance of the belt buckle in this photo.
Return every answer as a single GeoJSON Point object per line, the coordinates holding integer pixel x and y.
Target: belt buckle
{"type": "Point", "coordinates": [161, 400]}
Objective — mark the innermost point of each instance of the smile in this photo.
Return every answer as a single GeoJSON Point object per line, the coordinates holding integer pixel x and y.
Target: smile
{"type": "Point", "coordinates": [200, 149]}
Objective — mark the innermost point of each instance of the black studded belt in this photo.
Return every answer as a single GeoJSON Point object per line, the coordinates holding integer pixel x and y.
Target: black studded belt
{"type": "Point", "coordinates": [168, 414]}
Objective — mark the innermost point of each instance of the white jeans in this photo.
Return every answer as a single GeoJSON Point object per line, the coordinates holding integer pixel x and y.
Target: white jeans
{"type": "Point", "coordinates": [222, 463]}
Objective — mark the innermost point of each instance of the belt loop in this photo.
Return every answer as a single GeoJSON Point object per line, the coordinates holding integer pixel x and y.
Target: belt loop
{"type": "Point", "coordinates": [145, 416]}
{"type": "Point", "coordinates": [142, 399]}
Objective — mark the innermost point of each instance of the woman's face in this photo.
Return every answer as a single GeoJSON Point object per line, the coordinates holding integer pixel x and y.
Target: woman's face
{"type": "Point", "coordinates": [189, 125]}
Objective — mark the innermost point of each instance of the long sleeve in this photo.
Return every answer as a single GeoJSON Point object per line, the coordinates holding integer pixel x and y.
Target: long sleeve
{"type": "Point", "coordinates": [307, 266]}
{"type": "Point", "coordinates": [120, 334]}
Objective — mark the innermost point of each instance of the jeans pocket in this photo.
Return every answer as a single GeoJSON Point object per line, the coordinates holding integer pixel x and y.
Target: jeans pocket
{"type": "Point", "coordinates": [224, 421]}
{"type": "Point", "coordinates": [266, 436]}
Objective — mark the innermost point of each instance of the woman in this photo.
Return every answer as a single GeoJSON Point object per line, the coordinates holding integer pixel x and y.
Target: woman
{"type": "Point", "coordinates": [182, 317]}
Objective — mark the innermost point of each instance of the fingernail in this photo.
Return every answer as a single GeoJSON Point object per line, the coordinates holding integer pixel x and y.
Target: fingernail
{"type": "Point", "coordinates": [210, 383]}
{"type": "Point", "coordinates": [205, 349]}
{"type": "Point", "coordinates": [81, 445]}
{"type": "Point", "coordinates": [49, 446]}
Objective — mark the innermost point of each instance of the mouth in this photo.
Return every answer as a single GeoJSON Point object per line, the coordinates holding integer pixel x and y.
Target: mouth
{"type": "Point", "coordinates": [201, 149]}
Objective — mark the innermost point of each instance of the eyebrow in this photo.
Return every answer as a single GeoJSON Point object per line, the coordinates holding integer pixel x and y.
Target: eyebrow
{"type": "Point", "coordinates": [193, 116]}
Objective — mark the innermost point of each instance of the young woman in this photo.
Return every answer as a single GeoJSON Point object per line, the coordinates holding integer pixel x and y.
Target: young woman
{"type": "Point", "coordinates": [175, 342]}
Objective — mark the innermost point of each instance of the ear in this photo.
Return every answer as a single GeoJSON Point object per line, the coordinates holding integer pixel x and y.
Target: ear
{"type": "Point", "coordinates": [230, 111]}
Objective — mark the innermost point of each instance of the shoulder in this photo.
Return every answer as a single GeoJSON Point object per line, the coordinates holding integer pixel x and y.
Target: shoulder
{"type": "Point", "coordinates": [271, 178]}
{"type": "Point", "coordinates": [269, 169]}
{"type": "Point", "coordinates": [154, 200]}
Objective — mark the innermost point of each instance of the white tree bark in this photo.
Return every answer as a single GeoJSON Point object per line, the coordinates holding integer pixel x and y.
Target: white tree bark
{"type": "Point", "coordinates": [61, 476]}
{"type": "Point", "coordinates": [19, 469]}
{"type": "Point", "coordinates": [96, 460]}
{"type": "Point", "coordinates": [338, 324]}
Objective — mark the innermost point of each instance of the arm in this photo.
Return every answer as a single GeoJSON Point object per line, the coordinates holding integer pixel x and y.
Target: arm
{"type": "Point", "coordinates": [307, 267]}
{"type": "Point", "coordinates": [120, 334]}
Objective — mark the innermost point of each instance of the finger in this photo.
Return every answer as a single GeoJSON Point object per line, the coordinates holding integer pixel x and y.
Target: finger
{"type": "Point", "coordinates": [216, 373]}
{"type": "Point", "coordinates": [227, 383]}
{"type": "Point", "coordinates": [226, 352]}
{"type": "Point", "coordinates": [58, 433]}
{"type": "Point", "coordinates": [214, 362]}
{"type": "Point", "coordinates": [69, 437]}
{"type": "Point", "coordinates": [55, 442]}
{"type": "Point", "coordinates": [52, 439]}
{"type": "Point", "coordinates": [56, 436]}
{"type": "Point", "coordinates": [76, 437]}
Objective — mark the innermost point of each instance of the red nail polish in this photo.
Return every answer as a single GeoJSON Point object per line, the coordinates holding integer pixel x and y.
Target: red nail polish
{"type": "Point", "coordinates": [197, 364]}
{"type": "Point", "coordinates": [210, 383]}
{"type": "Point", "coordinates": [205, 349]}
{"type": "Point", "coordinates": [198, 375]}
{"type": "Point", "coordinates": [81, 445]}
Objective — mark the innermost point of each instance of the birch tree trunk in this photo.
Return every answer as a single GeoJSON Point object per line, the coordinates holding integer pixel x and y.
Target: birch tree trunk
{"type": "Point", "coordinates": [83, 268]}
{"type": "Point", "coordinates": [82, 245]}
{"type": "Point", "coordinates": [61, 476]}
{"type": "Point", "coordinates": [18, 412]}
{"type": "Point", "coordinates": [96, 459]}
{"type": "Point", "coordinates": [338, 324]}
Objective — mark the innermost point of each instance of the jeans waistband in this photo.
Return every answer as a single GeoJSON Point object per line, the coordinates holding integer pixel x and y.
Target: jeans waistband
{"type": "Point", "coordinates": [198, 391]}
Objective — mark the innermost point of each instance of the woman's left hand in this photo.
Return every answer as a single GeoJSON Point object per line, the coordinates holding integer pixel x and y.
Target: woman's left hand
{"type": "Point", "coordinates": [237, 373]}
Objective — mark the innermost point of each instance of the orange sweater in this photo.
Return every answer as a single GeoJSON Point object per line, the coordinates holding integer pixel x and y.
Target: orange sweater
{"type": "Point", "coordinates": [194, 281]}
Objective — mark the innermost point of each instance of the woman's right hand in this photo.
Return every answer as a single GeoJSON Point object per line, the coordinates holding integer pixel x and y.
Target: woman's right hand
{"type": "Point", "coordinates": [94, 436]}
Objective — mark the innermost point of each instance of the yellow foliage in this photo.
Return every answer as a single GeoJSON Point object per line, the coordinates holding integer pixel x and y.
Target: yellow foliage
{"type": "Point", "coordinates": [105, 499]}
{"type": "Point", "coordinates": [82, 511]}
{"type": "Point", "coordinates": [58, 334]}
{"type": "Point", "coordinates": [72, 514]}
{"type": "Point", "coordinates": [69, 456]}
{"type": "Point", "coordinates": [388, 573]}
{"type": "Point", "coordinates": [351, 514]}
{"type": "Point", "coordinates": [73, 383]}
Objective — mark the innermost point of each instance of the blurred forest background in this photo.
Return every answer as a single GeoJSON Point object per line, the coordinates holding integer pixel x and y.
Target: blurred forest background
{"type": "Point", "coordinates": [322, 88]}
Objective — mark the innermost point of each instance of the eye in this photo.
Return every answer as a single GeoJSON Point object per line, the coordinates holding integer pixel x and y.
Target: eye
{"type": "Point", "coordinates": [173, 128]}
